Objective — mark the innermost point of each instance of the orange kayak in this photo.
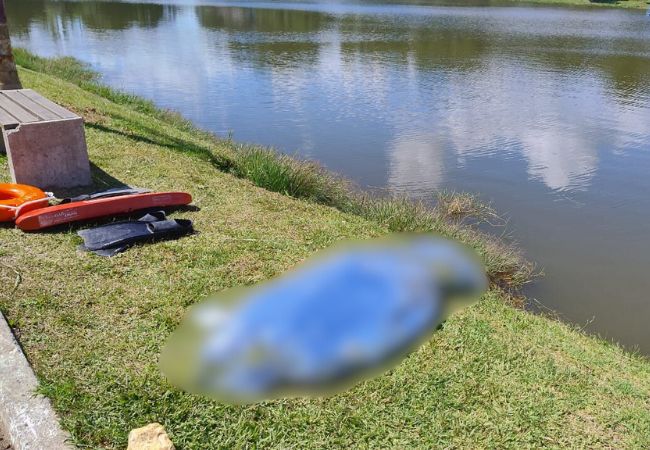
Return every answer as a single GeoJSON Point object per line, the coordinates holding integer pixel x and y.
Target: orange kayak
{"type": "Point", "coordinates": [16, 199]}
{"type": "Point", "coordinates": [100, 207]}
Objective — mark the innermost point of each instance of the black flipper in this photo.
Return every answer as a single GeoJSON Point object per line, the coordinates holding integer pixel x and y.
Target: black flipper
{"type": "Point", "coordinates": [114, 192]}
{"type": "Point", "coordinates": [108, 240]}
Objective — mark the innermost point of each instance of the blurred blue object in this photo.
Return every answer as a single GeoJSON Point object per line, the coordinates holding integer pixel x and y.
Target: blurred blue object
{"type": "Point", "coordinates": [348, 313]}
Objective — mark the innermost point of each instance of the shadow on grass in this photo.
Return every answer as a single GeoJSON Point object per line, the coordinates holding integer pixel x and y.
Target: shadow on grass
{"type": "Point", "coordinates": [101, 181]}
{"type": "Point", "coordinates": [166, 141]}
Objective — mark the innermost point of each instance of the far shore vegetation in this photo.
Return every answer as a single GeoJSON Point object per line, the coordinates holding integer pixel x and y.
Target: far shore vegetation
{"type": "Point", "coordinates": [627, 4]}
{"type": "Point", "coordinates": [493, 376]}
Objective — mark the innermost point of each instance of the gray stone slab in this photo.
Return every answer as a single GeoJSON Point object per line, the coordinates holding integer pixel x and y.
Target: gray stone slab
{"type": "Point", "coordinates": [28, 420]}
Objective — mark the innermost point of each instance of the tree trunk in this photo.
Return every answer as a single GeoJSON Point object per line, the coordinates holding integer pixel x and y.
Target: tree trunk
{"type": "Point", "coordinates": [8, 73]}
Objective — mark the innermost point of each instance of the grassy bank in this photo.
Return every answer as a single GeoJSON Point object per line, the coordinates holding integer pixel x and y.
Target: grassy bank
{"type": "Point", "coordinates": [494, 376]}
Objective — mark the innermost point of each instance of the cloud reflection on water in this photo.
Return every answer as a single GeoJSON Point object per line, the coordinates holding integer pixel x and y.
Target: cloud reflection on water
{"type": "Point", "coordinates": [441, 92]}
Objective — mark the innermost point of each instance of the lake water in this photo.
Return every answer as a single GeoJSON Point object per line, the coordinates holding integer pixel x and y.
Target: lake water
{"type": "Point", "coordinates": [545, 112]}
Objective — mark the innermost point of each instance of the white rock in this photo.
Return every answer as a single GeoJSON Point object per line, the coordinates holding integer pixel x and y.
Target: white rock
{"type": "Point", "coordinates": [150, 437]}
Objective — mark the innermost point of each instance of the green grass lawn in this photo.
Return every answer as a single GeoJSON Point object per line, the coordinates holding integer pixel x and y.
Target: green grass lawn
{"type": "Point", "coordinates": [494, 376]}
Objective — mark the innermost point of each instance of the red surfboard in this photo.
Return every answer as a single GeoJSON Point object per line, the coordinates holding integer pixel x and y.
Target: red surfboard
{"type": "Point", "coordinates": [101, 207]}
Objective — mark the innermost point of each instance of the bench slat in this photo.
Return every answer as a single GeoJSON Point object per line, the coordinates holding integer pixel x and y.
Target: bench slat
{"type": "Point", "coordinates": [6, 119]}
{"type": "Point", "coordinates": [59, 110]}
{"type": "Point", "coordinates": [16, 110]}
{"type": "Point", "coordinates": [30, 105]}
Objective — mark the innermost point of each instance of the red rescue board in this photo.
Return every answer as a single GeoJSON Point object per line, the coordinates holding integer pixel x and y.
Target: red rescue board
{"type": "Point", "coordinates": [101, 207]}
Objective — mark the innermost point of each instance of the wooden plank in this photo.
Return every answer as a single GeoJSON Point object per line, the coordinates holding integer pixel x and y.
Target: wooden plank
{"type": "Point", "coordinates": [16, 110]}
{"type": "Point", "coordinates": [21, 99]}
{"type": "Point", "coordinates": [6, 119]}
{"type": "Point", "coordinates": [59, 110]}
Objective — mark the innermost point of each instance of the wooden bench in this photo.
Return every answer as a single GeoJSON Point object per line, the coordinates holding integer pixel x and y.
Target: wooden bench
{"type": "Point", "coordinates": [45, 143]}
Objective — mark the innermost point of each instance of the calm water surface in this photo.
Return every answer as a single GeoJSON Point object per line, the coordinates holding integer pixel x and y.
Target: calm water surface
{"type": "Point", "coordinates": [545, 112]}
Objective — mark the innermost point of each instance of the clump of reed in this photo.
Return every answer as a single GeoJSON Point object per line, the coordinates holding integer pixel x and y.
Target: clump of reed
{"type": "Point", "coordinates": [454, 215]}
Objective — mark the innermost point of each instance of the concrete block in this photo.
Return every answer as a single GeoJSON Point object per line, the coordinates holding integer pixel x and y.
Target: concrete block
{"type": "Point", "coordinates": [45, 143]}
{"type": "Point", "coordinates": [48, 154]}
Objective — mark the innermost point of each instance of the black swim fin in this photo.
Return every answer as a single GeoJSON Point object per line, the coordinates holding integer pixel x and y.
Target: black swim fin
{"type": "Point", "coordinates": [108, 240]}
